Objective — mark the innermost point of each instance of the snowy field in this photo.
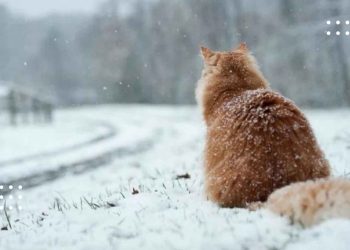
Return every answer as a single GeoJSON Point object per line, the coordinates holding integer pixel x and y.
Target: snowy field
{"type": "Point", "coordinates": [112, 177]}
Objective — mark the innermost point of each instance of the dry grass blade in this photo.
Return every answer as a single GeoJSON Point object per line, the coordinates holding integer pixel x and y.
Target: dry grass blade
{"type": "Point", "coordinates": [7, 216]}
{"type": "Point", "coordinates": [183, 176]}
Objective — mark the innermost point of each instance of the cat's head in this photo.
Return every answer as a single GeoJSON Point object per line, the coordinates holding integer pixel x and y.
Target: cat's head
{"type": "Point", "coordinates": [233, 71]}
{"type": "Point", "coordinates": [228, 63]}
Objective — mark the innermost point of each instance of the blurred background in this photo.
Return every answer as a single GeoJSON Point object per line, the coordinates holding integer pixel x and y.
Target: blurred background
{"type": "Point", "coordinates": [147, 51]}
{"type": "Point", "coordinates": [97, 105]}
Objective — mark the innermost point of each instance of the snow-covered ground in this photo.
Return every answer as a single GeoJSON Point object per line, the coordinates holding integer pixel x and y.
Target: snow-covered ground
{"type": "Point", "coordinates": [135, 200]}
{"type": "Point", "coordinates": [24, 141]}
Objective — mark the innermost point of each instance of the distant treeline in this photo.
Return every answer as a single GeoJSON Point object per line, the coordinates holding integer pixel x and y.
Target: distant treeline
{"type": "Point", "coordinates": [148, 51]}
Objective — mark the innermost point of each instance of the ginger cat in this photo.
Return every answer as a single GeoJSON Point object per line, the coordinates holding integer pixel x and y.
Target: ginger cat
{"type": "Point", "coordinates": [257, 140]}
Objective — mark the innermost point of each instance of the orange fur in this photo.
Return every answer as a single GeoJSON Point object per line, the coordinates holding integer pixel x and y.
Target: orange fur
{"type": "Point", "coordinates": [312, 202]}
{"type": "Point", "coordinates": [257, 140]}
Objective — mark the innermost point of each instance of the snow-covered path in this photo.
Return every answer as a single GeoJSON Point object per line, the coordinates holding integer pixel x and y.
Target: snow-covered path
{"type": "Point", "coordinates": [102, 138]}
{"type": "Point", "coordinates": [137, 201]}
{"type": "Point", "coordinates": [31, 142]}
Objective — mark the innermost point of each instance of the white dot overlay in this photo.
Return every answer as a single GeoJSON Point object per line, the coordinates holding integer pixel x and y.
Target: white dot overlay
{"type": "Point", "coordinates": [338, 32]}
{"type": "Point", "coordinates": [12, 198]}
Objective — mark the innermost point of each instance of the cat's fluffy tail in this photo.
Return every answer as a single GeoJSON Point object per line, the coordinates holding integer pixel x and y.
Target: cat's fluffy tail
{"type": "Point", "coordinates": [310, 202]}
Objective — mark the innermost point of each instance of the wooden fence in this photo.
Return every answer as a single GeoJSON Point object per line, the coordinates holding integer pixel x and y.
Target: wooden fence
{"type": "Point", "coordinates": [23, 107]}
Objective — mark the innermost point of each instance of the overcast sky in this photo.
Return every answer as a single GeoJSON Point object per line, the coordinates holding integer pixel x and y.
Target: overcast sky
{"type": "Point", "coordinates": [38, 8]}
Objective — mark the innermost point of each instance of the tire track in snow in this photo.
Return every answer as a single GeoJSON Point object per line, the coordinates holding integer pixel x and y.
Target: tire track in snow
{"type": "Point", "coordinates": [85, 165]}
{"type": "Point", "coordinates": [111, 132]}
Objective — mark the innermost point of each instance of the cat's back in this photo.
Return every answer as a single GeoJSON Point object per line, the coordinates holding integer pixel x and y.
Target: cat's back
{"type": "Point", "coordinates": [261, 112]}
{"type": "Point", "coordinates": [260, 140]}
{"type": "Point", "coordinates": [261, 127]}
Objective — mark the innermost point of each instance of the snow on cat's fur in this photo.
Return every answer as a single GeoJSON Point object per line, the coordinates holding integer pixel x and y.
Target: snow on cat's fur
{"type": "Point", "coordinates": [257, 140]}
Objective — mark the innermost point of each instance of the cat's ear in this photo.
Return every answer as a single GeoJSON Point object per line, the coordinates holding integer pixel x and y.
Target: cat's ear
{"type": "Point", "coordinates": [206, 53]}
{"type": "Point", "coordinates": [242, 47]}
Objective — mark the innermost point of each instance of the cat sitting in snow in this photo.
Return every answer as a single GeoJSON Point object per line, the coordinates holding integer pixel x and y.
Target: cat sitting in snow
{"type": "Point", "coordinates": [257, 140]}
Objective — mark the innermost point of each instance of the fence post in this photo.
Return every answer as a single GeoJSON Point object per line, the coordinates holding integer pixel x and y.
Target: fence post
{"type": "Point", "coordinates": [48, 112]}
{"type": "Point", "coordinates": [36, 109]}
{"type": "Point", "coordinates": [12, 107]}
{"type": "Point", "coordinates": [24, 107]}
